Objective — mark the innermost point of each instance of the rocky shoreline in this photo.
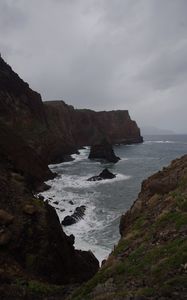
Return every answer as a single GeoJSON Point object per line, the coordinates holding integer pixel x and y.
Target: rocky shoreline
{"type": "Point", "coordinates": [36, 254]}
{"type": "Point", "coordinates": [38, 260]}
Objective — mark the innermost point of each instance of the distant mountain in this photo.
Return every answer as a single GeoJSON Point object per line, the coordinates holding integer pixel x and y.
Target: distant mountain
{"type": "Point", "coordinates": [151, 130]}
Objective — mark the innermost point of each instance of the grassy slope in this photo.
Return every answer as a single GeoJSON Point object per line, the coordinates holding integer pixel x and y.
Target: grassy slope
{"type": "Point", "coordinates": [150, 260]}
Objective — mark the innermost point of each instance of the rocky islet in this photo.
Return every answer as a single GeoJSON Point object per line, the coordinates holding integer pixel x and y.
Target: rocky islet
{"type": "Point", "coordinates": [103, 151]}
{"type": "Point", "coordinates": [105, 174]}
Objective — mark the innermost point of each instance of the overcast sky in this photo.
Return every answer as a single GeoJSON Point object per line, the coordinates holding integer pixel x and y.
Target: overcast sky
{"type": "Point", "coordinates": [103, 54]}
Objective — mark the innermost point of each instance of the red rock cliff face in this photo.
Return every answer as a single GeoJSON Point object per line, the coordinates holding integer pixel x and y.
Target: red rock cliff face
{"type": "Point", "coordinates": [20, 107]}
{"type": "Point", "coordinates": [75, 128]}
{"type": "Point", "coordinates": [115, 126]}
{"type": "Point", "coordinates": [32, 242]}
{"type": "Point", "coordinates": [22, 124]}
{"type": "Point", "coordinates": [54, 129]}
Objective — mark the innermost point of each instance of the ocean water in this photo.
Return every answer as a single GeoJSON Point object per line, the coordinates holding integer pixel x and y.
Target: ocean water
{"type": "Point", "coordinates": [107, 200]}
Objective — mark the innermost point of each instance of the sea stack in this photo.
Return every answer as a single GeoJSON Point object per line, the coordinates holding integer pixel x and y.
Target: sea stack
{"type": "Point", "coordinates": [103, 151]}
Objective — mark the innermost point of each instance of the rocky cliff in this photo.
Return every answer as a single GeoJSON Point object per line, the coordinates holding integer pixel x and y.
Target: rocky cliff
{"type": "Point", "coordinates": [115, 126]}
{"type": "Point", "coordinates": [76, 127]}
{"type": "Point", "coordinates": [35, 253]}
{"type": "Point", "coordinates": [53, 128]}
{"type": "Point", "coordinates": [34, 250]}
{"type": "Point", "coordinates": [21, 108]}
{"type": "Point", "coordinates": [149, 261]}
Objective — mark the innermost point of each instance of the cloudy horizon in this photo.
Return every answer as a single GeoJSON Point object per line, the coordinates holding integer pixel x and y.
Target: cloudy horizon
{"type": "Point", "coordinates": [103, 54]}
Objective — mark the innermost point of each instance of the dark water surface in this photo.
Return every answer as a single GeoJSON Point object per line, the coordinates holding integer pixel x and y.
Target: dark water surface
{"type": "Point", "coordinates": [105, 201]}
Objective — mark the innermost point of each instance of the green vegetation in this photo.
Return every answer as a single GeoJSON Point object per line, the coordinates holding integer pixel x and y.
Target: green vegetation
{"type": "Point", "coordinates": [150, 259]}
{"type": "Point", "coordinates": [30, 261]}
{"type": "Point", "coordinates": [150, 264]}
{"type": "Point", "coordinates": [180, 199]}
{"type": "Point", "coordinates": [36, 288]}
{"type": "Point", "coordinates": [172, 218]}
{"type": "Point", "coordinates": [151, 252]}
{"type": "Point", "coordinates": [146, 291]}
{"type": "Point", "coordinates": [140, 222]}
{"type": "Point", "coordinates": [38, 202]}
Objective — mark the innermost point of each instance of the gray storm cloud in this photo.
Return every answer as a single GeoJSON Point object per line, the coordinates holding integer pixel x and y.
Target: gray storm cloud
{"type": "Point", "coordinates": [103, 54]}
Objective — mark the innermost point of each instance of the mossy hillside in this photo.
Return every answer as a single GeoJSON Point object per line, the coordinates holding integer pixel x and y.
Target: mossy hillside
{"type": "Point", "coordinates": [150, 258]}
{"type": "Point", "coordinates": [35, 289]}
{"type": "Point", "coordinates": [150, 266]}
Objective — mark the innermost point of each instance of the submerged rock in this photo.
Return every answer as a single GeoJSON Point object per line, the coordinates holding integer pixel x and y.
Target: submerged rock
{"type": "Point", "coordinates": [103, 151]}
{"type": "Point", "coordinates": [105, 174]}
{"type": "Point", "coordinates": [75, 217]}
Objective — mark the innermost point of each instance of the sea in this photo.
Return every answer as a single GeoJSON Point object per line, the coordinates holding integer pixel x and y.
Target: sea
{"type": "Point", "coordinates": [107, 200]}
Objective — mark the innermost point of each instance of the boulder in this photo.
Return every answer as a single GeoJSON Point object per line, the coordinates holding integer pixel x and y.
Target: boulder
{"type": "Point", "coordinates": [105, 174]}
{"type": "Point", "coordinates": [29, 209]}
{"type": "Point", "coordinates": [103, 151]}
{"type": "Point", "coordinates": [75, 217]}
{"type": "Point", "coordinates": [5, 237]}
{"type": "Point", "coordinates": [5, 217]}
{"type": "Point", "coordinates": [68, 220]}
{"type": "Point", "coordinates": [56, 202]}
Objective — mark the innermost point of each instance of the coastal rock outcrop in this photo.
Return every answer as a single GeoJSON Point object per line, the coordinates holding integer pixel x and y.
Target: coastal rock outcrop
{"type": "Point", "coordinates": [75, 217]}
{"type": "Point", "coordinates": [105, 174]}
{"type": "Point", "coordinates": [103, 151]}
{"type": "Point", "coordinates": [149, 261]}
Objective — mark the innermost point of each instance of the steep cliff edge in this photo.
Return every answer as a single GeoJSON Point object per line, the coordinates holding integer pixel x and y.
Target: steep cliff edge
{"type": "Point", "coordinates": [54, 129]}
{"type": "Point", "coordinates": [15, 150]}
{"type": "Point", "coordinates": [83, 127]}
{"type": "Point", "coordinates": [115, 126]}
{"type": "Point", "coordinates": [149, 261]}
{"type": "Point", "coordinates": [34, 251]}
{"type": "Point", "coordinates": [21, 108]}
